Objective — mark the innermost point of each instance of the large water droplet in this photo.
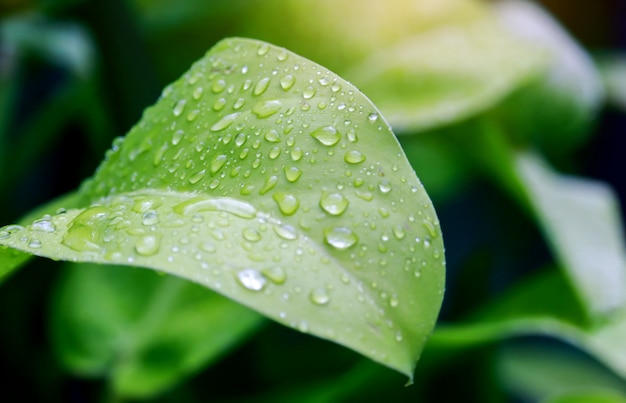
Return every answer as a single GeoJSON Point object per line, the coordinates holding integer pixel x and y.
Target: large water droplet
{"type": "Point", "coordinates": [179, 107]}
{"type": "Point", "coordinates": [224, 122]}
{"type": "Point", "coordinates": [292, 174]}
{"type": "Point", "coordinates": [226, 204]}
{"type": "Point", "coordinates": [150, 218]}
{"type": "Point", "coordinates": [308, 92]}
{"type": "Point", "coordinates": [195, 178]}
{"type": "Point", "coordinates": [354, 157]}
{"type": "Point", "coordinates": [287, 203]}
{"type": "Point", "coordinates": [340, 237]}
{"type": "Point", "coordinates": [326, 135]}
{"type": "Point", "coordinates": [218, 86]}
{"type": "Point", "coordinates": [43, 225]}
{"type": "Point", "coordinates": [267, 108]}
{"type": "Point", "coordinates": [251, 279]}
{"type": "Point", "coordinates": [261, 86]}
{"type": "Point", "coordinates": [217, 163]}
{"type": "Point", "coordinates": [384, 186]}
{"type": "Point", "coordinates": [251, 234]}
{"type": "Point", "coordinates": [276, 274]}
{"type": "Point", "coordinates": [148, 245]}
{"type": "Point", "coordinates": [296, 154]}
{"type": "Point", "coordinates": [286, 82]}
{"type": "Point", "coordinates": [286, 231]}
{"type": "Point", "coordinates": [319, 296]}
{"type": "Point", "coordinates": [333, 203]}
{"type": "Point", "coordinates": [269, 184]}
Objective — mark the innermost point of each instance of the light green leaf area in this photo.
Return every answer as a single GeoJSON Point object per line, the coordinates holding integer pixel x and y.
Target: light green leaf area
{"type": "Point", "coordinates": [581, 220]}
{"type": "Point", "coordinates": [143, 331]}
{"type": "Point", "coordinates": [271, 180]}
{"type": "Point", "coordinates": [547, 306]}
{"type": "Point", "coordinates": [447, 74]}
{"type": "Point", "coordinates": [559, 106]}
{"type": "Point", "coordinates": [548, 374]}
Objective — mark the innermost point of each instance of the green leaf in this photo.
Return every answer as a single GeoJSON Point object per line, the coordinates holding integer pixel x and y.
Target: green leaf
{"type": "Point", "coordinates": [581, 220]}
{"type": "Point", "coordinates": [613, 68]}
{"type": "Point", "coordinates": [556, 111]}
{"type": "Point", "coordinates": [142, 330]}
{"type": "Point", "coordinates": [447, 74]}
{"type": "Point", "coordinates": [269, 179]}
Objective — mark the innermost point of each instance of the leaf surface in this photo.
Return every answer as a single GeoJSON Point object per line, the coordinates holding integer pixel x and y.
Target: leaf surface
{"type": "Point", "coordinates": [271, 180]}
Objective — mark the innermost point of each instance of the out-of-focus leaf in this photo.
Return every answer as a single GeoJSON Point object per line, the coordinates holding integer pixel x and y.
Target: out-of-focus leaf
{"type": "Point", "coordinates": [556, 110]}
{"type": "Point", "coordinates": [613, 70]}
{"type": "Point", "coordinates": [142, 331]}
{"type": "Point", "coordinates": [581, 220]}
{"type": "Point", "coordinates": [591, 396]}
{"type": "Point", "coordinates": [540, 372]}
{"type": "Point", "coordinates": [544, 306]}
{"type": "Point", "coordinates": [447, 74]}
{"type": "Point", "coordinates": [273, 181]}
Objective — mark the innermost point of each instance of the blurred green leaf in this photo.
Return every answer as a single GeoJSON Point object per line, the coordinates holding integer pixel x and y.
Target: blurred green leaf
{"type": "Point", "coordinates": [142, 331]}
{"type": "Point", "coordinates": [557, 109]}
{"type": "Point", "coordinates": [272, 181]}
{"type": "Point", "coordinates": [593, 396]}
{"type": "Point", "coordinates": [538, 372]}
{"type": "Point", "coordinates": [581, 220]}
{"type": "Point", "coordinates": [447, 74]}
{"type": "Point", "coordinates": [613, 68]}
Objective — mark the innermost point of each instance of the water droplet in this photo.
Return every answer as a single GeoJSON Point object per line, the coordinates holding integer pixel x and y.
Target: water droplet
{"type": "Point", "coordinates": [352, 135]}
{"type": "Point", "coordinates": [251, 234]}
{"type": "Point", "coordinates": [226, 204]}
{"type": "Point", "coordinates": [398, 231]}
{"type": "Point", "coordinates": [195, 178]}
{"type": "Point", "coordinates": [274, 153]}
{"type": "Point", "coordinates": [333, 203]}
{"type": "Point", "coordinates": [269, 184]}
{"type": "Point", "coordinates": [287, 203]}
{"type": "Point", "coordinates": [430, 228]}
{"type": "Point", "coordinates": [393, 301]}
{"type": "Point", "coordinates": [340, 237]}
{"type": "Point", "coordinates": [239, 103]}
{"type": "Point", "coordinates": [263, 49]}
{"type": "Point", "coordinates": [191, 116]}
{"type": "Point", "coordinates": [43, 225]}
{"type": "Point", "coordinates": [292, 174]}
{"type": "Point", "coordinates": [308, 93]}
{"type": "Point", "coordinates": [197, 93]}
{"type": "Point", "coordinates": [296, 154]}
{"type": "Point", "coordinates": [267, 108]}
{"type": "Point", "coordinates": [367, 196]}
{"type": "Point", "coordinates": [276, 274]}
{"type": "Point", "coordinates": [251, 279]}
{"type": "Point", "coordinates": [399, 336]}
{"type": "Point", "coordinates": [179, 107]}
{"type": "Point", "coordinates": [224, 122]}
{"type": "Point", "coordinates": [148, 245]}
{"type": "Point", "coordinates": [272, 136]}
{"type": "Point", "coordinates": [286, 82]}
{"type": "Point", "coordinates": [261, 86]}
{"type": "Point", "coordinates": [240, 139]}
{"type": "Point", "coordinates": [218, 86]}
{"type": "Point", "coordinates": [372, 117]}
{"type": "Point", "coordinates": [326, 135]}
{"type": "Point", "coordinates": [319, 296]}
{"type": "Point", "coordinates": [219, 104]}
{"type": "Point", "coordinates": [286, 231]}
{"type": "Point", "coordinates": [34, 243]}
{"type": "Point", "coordinates": [384, 186]}
{"type": "Point", "coordinates": [354, 157]}
{"type": "Point", "coordinates": [150, 218]}
{"type": "Point", "coordinates": [217, 163]}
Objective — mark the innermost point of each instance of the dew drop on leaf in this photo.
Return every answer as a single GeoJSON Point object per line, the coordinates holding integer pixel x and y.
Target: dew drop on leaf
{"type": "Point", "coordinates": [319, 296]}
{"type": "Point", "coordinates": [147, 245]}
{"type": "Point", "coordinates": [326, 135]}
{"type": "Point", "coordinates": [354, 157]}
{"type": "Point", "coordinates": [251, 279]}
{"type": "Point", "coordinates": [340, 237]}
{"type": "Point", "coordinates": [287, 203]}
{"type": "Point", "coordinates": [261, 86]}
{"type": "Point", "coordinates": [333, 203]}
{"type": "Point", "coordinates": [267, 108]}
{"type": "Point", "coordinates": [286, 82]}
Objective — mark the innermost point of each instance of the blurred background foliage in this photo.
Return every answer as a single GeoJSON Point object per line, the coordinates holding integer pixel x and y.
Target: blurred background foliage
{"type": "Point", "coordinates": [493, 103]}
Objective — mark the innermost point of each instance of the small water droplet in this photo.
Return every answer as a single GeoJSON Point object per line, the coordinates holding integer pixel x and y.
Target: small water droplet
{"type": "Point", "coordinates": [197, 93]}
{"type": "Point", "coordinates": [272, 136]}
{"type": "Point", "coordinates": [308, 93]}
{"type": "Point", "coordinates": [398, 231]}
{"type": "Point", "coordinates": [296, 154]}
{"type": "Point", "coordinates": [286, 231]}
{"type": "Point", "coordinates": [218, 86]}
{"type": "Point", "coordinates": [372, 117]}
{"type": "Point", "coordinates": [195, 178]}
{"type": "Point", "coordinates": [34, 243]}
{"type": "Point", "coordinates": [393, 301]}
{"type": "Point", "coordinates": [269, 184]}
{"type": "Point", "coordinates": [224, 122]}
{"type": "Point", "coordinates": [219, 104]}
{"type": "Point", "coordinates": [263, 49]}
{"type": "Point", "coordinates": [398, 336]}
{"type": "Point", "coordinates": [251, 234]}
{"type": "Point", "coordinates": [430, 228]}
{"type": "Point", "coordinates": [191, 116]}
{"type": "Point", "coordinates": [354, 157]}
{"type": "Point", "coordinates": [333, 203]}
{"type": "Point", "coordinates": [43, 225]}
{"type": "Point", "coordinates": [150, 217]}
{"type": "Point", "coordinates": [251, 279]}
{"type": "Point", "coordinates": [276, 274]}
{"type": "Point", "coordinates": [286, 82]}
{"type": "Point", "coordinates": [319, 296]}
{"type": "Point", "coordinates": [261, 86]}
{"type": "Point", "coordinates": [217, 163]}
{"type": "Point", "coordinates": [292, 174]}
{"type": "Point", "coordinates": [326, 135]}
{"type": "Point", "coordinates": [340, 237]}
{"type": "Point", "coordinates": [274, 153]}
{"type": "Point", "coordinates": [287, 203]}
{"type": "Point", "coordinates": [179, 107]}
{"type": "Point", "coordinates": [148, 245]}
{"type": "Point", "coordinates": [384, 186]}
{"type": "Point", "coordinates": [267, 108]}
